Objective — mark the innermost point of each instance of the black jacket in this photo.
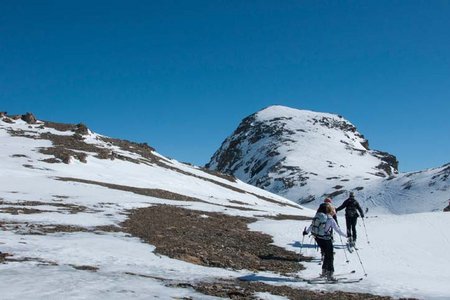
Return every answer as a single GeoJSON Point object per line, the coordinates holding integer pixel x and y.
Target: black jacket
{"type": "Point", "coordinates": [351, 208]}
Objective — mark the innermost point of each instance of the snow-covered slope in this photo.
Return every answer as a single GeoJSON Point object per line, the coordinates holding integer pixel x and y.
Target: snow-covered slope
{"type": "Point", "coordinates": [411, 192]}
{"type": "Point", "coordinates": [64, 192]}
{"type": "Point", "coordinates": [50, 151]}
{"type": "Point", "coordinates": [306, 156]}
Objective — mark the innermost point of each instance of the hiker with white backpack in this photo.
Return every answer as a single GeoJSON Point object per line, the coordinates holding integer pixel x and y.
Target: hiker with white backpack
{"type": "Point", "coordinates": [321, 228]}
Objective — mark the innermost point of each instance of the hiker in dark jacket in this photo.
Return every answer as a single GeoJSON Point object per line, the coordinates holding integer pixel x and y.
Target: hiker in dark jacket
{"type": "Point", "coordinates": [352, 208]}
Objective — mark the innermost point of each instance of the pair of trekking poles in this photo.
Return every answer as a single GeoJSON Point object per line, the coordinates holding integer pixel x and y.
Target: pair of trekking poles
{"type": "Point", "coordinates": [345, 251]}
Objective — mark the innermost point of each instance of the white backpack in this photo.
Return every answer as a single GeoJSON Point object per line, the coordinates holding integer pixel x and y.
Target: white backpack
{"type": "Point", "coordinates": [318, 226]}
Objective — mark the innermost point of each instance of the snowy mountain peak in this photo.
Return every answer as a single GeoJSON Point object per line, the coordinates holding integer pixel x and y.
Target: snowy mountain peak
{"type": "Point", "coordinates": [275, 111]}
{"type": "Point", "coordinates": [296, 119]}
{"type": "Point", "coordinates": [294, 152]}
{"type": "Point", "coordinates": [306, 156]}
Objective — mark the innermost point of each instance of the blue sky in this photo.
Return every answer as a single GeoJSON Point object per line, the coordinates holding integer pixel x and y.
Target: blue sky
{"type": "Point", "coordinates": [181, 75]}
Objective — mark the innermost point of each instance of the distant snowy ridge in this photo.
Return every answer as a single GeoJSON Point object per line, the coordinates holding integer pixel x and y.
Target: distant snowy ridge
{"type": "Point", "coordinates": [305, 156]}
{"type": "Point", "coordinates": [411, 192]}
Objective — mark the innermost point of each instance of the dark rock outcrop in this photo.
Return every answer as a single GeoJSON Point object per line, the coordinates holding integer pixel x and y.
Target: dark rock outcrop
{"type": "Point", "coordinates": [29, 118]}
{"type": "Point", "coordinates": [447, 209]}
{"type": "Point", "coordinates": [389, 162]}
{"type": "Point", "coordinates": [8, 120]}
{"type": "Point", "coordinates": [81, 129]}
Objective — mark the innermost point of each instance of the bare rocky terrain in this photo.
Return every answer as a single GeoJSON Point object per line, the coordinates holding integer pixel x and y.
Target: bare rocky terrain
{"type": "Point", "coordinates": [210, 239]}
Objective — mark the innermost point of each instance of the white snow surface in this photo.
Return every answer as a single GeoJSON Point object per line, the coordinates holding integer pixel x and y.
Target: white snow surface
{"type": "Point", "coordinates": [407, 256]}
{"type": "Point", "coordinates": [402, 255]}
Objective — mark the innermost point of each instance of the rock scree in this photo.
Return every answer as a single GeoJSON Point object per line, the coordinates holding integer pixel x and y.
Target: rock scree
{"type": "Point", "coordinates": [210, 239]}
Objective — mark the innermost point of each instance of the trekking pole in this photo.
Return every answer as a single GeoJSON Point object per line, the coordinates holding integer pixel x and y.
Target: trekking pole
{"type": "Point", "coordinates": [365, 274]}
{"type": "Point", "coordinates": [345, 252]}
{"type": "Point", "coordinates": [313, 241]}
{"type": "Point", "coordinates": [301, 245]}
{"type": "Point", "coordinates": [365, 230]}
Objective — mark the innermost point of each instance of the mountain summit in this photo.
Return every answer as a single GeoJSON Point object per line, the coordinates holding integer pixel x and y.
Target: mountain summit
{"type": "Point", "coordinates": [301, 154]}
{"type": "Point", "coordinates": [306, 156]}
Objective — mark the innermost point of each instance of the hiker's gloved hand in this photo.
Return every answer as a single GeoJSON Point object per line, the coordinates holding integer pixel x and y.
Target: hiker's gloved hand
{"type": "Point", "coordinates": [304, 232]}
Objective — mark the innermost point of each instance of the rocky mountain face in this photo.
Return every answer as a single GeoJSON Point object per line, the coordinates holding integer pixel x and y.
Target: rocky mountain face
{"type": "Point", "coordinates": [306, 156]}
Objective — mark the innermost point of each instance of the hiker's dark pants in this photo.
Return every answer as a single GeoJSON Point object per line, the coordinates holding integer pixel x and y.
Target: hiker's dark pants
{"type": "Point", "coordinates": [351, 226]}
{"type": "Point", "coordinates": [326, 246]}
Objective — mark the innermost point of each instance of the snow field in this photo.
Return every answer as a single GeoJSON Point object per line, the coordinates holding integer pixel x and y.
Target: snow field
{"type": "Point", "coordinates": [407, 256]}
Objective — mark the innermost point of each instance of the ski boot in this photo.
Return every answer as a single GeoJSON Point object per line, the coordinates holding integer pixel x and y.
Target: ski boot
{"type": "Point", "coordinates": [330, 276]}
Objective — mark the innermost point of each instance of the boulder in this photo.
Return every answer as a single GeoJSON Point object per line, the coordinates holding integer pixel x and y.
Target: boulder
{"type": "Point", "coordinates": [447, 209]}
{"type": "Point", "coordinates": [8, 120]}
{"type": "Point", "coordinates": [29, 118]}
{"type": "Point", "coordinates": [81, 129]}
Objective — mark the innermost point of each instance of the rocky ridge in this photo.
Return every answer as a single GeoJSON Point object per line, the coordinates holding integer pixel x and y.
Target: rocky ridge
{"type": "Point", "coordinates": [306, 156]}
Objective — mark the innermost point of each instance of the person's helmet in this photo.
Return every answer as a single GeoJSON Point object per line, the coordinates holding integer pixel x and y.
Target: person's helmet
{"type": "Point", "coordinates": [327, 200]}
{"type": "Point", "coordinates": [352, 194]}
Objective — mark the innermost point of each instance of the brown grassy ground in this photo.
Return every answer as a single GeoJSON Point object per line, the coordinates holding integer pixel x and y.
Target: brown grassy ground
{"type": "Point", "coordinates": [247, 290]}
{"type": "Point", "coordinates": [210, 239]}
